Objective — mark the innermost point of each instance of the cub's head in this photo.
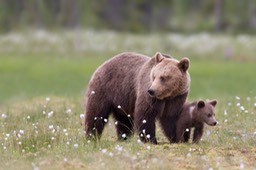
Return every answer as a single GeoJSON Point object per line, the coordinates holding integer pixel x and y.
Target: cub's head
{"type": "Point", "coordinates": [169, 77]}
{"type": "Point", "coordinates": [206, 112]}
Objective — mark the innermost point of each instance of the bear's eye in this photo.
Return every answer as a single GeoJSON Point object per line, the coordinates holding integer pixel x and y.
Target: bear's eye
{"type": "Point", "coordinates": [162, 79]}
{"type": "Point", "coordinates": [209, 115]}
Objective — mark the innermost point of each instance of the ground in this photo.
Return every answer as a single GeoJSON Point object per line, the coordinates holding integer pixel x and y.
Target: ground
{"type": "Point", "coordinates": [42, 91]}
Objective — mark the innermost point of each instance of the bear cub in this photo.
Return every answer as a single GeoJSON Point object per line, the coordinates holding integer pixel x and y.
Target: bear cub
{"type": "Point", "coordinates": [194, 115]}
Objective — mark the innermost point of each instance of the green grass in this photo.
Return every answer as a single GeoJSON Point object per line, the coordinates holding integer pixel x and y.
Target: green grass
{"type": "Point", "coordinates": [41, 109]}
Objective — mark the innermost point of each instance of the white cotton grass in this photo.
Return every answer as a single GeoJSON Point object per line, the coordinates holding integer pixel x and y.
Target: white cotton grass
{"type": "Point", "coordinates": [82, 116]}
{"type": "Point", "coordinates": [50, 114]}
{"type": "Point", "coordinates": [76, 145]}
{"type": "Point", "coordinates": [4, 116]}
{"type": "Point", "coordinates": [124, 135]}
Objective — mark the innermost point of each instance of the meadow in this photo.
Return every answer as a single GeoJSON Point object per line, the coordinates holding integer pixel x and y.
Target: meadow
{"type": "Point", "coordinates": [44, 77]}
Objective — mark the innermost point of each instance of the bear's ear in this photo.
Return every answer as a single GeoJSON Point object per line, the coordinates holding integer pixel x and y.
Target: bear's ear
{"type": "Point", "coordinates": [200, 104]}
{"type": "Point", "coordinates": [158, 57]}
{"type": "Point", "coordinates": [184, 64]}
{"type": "Point", "coordinates": [213, 103]}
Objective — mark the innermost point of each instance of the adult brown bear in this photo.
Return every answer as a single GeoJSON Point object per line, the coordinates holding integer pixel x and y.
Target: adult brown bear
{"type": "Point", "coordinates": [137, 90]}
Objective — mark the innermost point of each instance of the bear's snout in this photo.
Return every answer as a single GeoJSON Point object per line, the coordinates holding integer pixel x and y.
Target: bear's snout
{"type": "Point", "coordinates": [213, 123]}
{"type": "Point", "coordinates": [151, 92]}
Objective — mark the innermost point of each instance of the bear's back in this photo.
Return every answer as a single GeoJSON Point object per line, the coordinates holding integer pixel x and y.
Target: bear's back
{"type": "Point", "coordinates": [121, 68]}
{"type": "Point", "coordinates": [117, 78]}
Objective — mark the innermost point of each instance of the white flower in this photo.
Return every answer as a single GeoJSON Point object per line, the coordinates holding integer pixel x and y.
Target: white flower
{"type": "Point", "coordinates": [129, 115]}
{"type": "Point", "coordinates": [92, 92]}
{"type": "Point", "coordinates": [47, 99]}
{"type": "Point", "coordinates": [50, 114]}
{"type": "Point", "coordinates": [104, 151]}
{"type": "Point", "coordinates": [242, 108]}
{"type": "Point", "coordinates": [21, 131]}
{"type": "Point", "coordinates": [52, 138]}
{"type": "Point", "coordinates": [4, 116]}
{"type": "Point", "coordinates": [148, 147]}
{"type": "Point", "coordinates": [144, 131]}
{"type": "Point", "coordinates": [144, 121]}
{"type": "Point", "coordinates": [68, 111]}
{"type": "Point", "coordinates": [124, 135]}
{"type": "Point", "coordinates": [238, 104]}
{"type": "Point", "coordinates": [95, 118]}
{"type": "Point", "coordinates": [225, 112]}
{"type": "Point", "coordinates": [111, 154]}
{"type": "Point", "coordinates": [19, 143]}
{"type": "Point", "coordinates": [187, 130]}
{"type": "Point", "coordinates": [116, 122]}
{"type": "Point", "coordinates": [105, 120]}
{"type": "Point", "coordinates": [242, 166]}
{"type": "Point", "coordinates": [148, 136]}
{"type": "Point", "coordinates": [237, 97]}
{"type": "Point", "coordinates": [76, 145]}
{"type": "Point", "coordinates": [50, 126]}
{"type": "Point", "coordinates": [254, 104]}
{"type": "Point", "coordinates": [28, 117]}
{"type": "Point", "coordinates": [119, 148]}
{"type": "Point", "coordinates": [119, 107]}
{"type": "Point", "coordinates": [81, 116]}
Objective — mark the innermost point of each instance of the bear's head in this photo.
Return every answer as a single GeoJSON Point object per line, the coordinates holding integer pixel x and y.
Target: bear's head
{"type": "Point", "coordinates": [169, 77]}
{"type": "Point", "coordinates": [205, 112]}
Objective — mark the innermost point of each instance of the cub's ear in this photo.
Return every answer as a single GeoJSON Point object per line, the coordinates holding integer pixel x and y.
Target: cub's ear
{"type": "Point", "coordinates": [158, 57]}
{"type": "Point", "coordinates": [213, 103]}
{"type": "Point", "coordinates": [200, 104]}
{"type": "Point", "coordinates": [184, 64]}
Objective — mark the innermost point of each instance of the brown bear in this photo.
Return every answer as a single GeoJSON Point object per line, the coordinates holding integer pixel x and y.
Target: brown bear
{"type": "Point", "coordinates": [195, 115]}
{"type": "Point", "coordinates": [137, 90]}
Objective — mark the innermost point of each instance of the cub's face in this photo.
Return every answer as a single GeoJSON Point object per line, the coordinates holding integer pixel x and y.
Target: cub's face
{"type": "Point", "coordinates": [206, 111]}
{"type": "Point", "coordinates": [169, 77]}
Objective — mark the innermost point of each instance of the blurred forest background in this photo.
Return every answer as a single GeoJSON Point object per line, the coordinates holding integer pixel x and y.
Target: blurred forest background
{"type": "Point", "coordinates": [134, 16]}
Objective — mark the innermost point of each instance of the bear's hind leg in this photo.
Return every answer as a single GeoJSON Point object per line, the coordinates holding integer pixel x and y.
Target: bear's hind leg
{"type": "Point", "coordinates": [95, 119]}
{"type": "Point", "coordinates": [124, 126]}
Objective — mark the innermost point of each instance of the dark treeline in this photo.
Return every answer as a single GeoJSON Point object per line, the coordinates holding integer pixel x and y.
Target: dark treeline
{"type": "Point", "coordinates": [130, 15]}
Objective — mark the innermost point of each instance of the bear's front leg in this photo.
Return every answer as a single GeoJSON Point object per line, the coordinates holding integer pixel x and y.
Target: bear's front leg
{"type": "Point", "coordinates": [145, 118]}
{"type": "Point", "coordinates": [198, 132]}
{"type": "Point", "coordinates": [187, 134]}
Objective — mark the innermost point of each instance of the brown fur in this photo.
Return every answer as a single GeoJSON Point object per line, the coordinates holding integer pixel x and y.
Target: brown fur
{"type": "Point", "coordinates": [195, 115]}
{"type": "Point", "coordinates": [137, 89]}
